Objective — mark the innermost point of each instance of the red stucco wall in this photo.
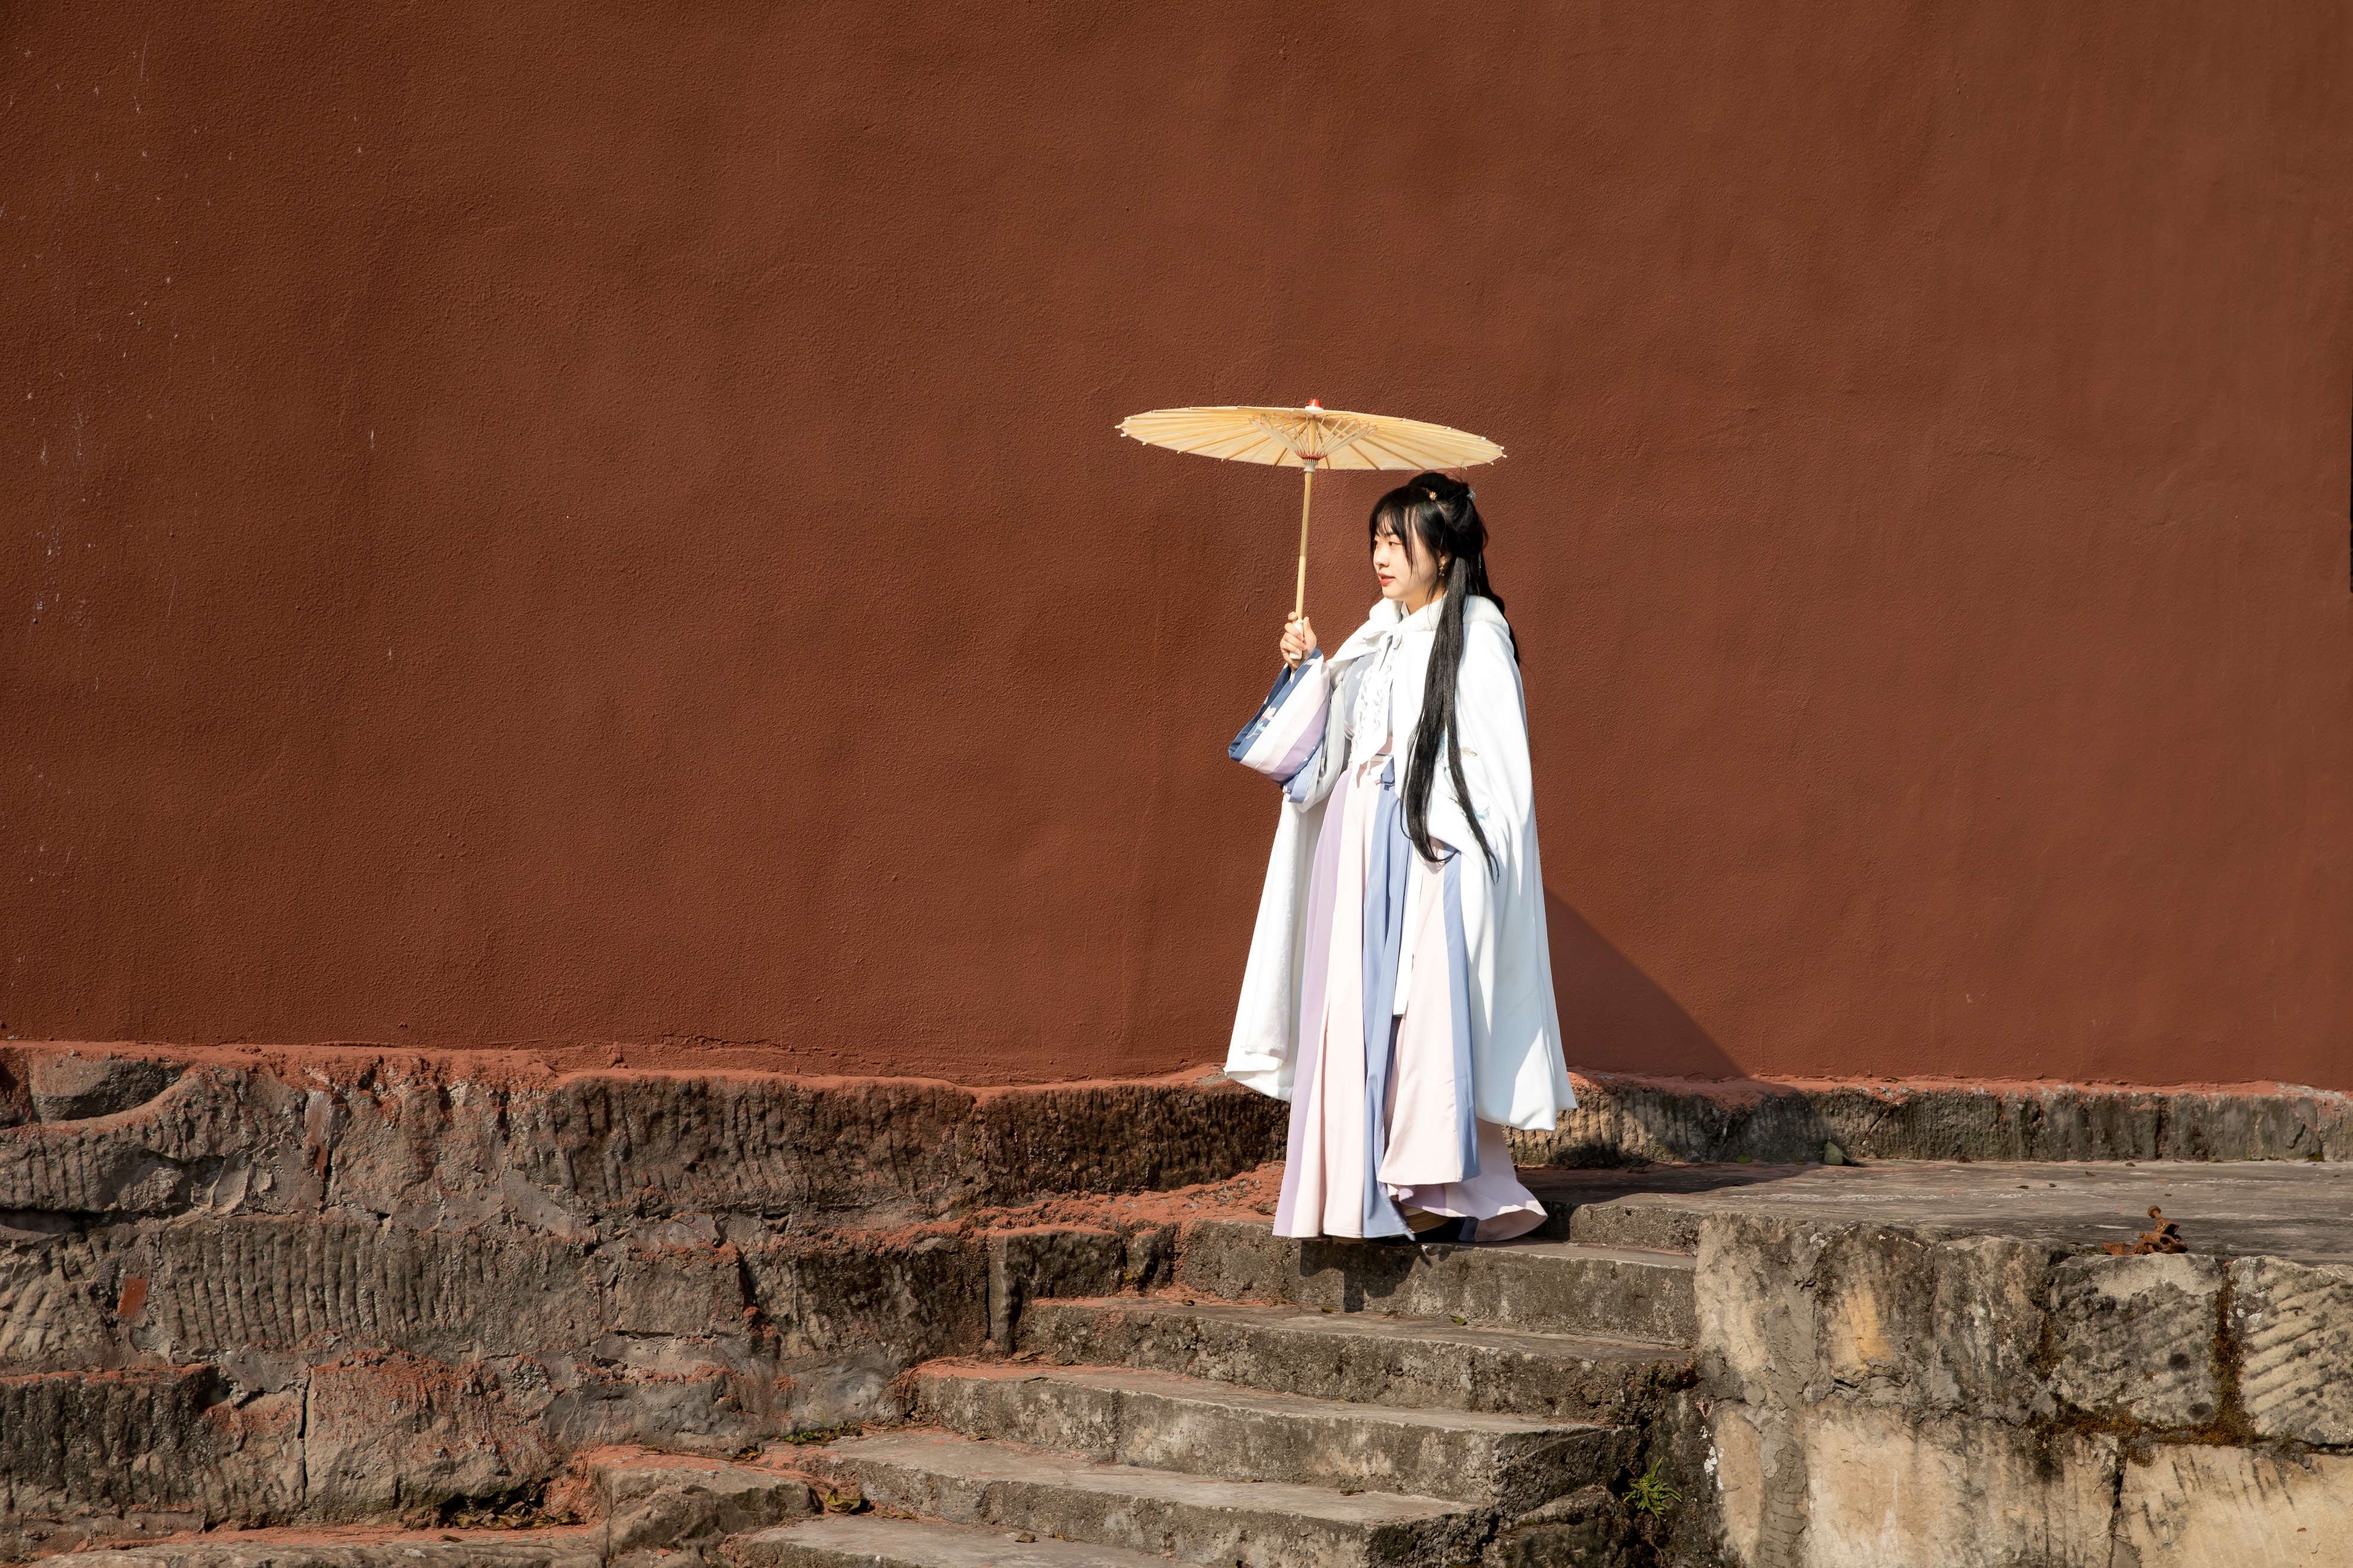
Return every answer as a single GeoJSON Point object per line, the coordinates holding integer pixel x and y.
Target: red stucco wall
{"type": "Point", "coordinates": [571, 523]}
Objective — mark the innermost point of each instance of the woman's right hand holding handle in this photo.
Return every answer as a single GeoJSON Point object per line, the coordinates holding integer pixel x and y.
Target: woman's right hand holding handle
{"type": "Point", "coordinates": [1298, 639]}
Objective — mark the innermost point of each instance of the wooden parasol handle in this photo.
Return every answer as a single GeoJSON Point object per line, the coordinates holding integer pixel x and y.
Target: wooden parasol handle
{"type": "Point", "coordinates": [1306, 501]}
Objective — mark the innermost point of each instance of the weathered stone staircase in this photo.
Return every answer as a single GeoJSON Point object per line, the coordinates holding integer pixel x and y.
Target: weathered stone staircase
{"type": "Point", "coordinates": [1337, 1404]}
{"type": "Point", "coordinates": [355, 1310]}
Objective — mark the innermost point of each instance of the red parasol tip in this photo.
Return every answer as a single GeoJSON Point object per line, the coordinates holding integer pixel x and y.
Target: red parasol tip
{"type": "Point", "coordinates": [1315, 402]}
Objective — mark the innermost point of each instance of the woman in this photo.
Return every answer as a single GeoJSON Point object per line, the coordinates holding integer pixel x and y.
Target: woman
{"type": "Point", "coordinates": [1398, 991]}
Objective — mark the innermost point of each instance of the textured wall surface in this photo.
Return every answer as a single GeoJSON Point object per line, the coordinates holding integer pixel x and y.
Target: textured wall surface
{"type": "Point", "coordinates": [553, 523]}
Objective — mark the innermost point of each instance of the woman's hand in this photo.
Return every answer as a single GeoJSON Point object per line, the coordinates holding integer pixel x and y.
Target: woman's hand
{"type": "Point", "coordinates": [1298, 638]}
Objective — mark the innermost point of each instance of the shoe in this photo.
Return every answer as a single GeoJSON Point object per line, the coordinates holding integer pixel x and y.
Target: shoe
{"type": "Point", "coordinates": [1453, 1231]}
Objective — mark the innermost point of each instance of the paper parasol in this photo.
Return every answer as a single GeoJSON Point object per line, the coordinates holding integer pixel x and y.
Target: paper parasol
{"type": "Point", "coordinates": [1309, 438]}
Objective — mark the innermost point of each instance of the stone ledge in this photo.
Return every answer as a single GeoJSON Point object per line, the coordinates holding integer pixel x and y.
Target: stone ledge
{"type": "Point", "coordinates": [456, 1139]}
{"type": "Point", "coordinates": [2289, 1209]}
{"type": "Point", "coordinates": [1624, 1119]}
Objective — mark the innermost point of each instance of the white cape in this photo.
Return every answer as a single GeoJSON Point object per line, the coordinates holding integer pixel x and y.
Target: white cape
{"type": "Point", "coordinates": [1519, 1077]}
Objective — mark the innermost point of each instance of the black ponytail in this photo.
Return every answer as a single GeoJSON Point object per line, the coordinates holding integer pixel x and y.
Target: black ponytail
{"type": "Point", "coordinates": [1431, 512]}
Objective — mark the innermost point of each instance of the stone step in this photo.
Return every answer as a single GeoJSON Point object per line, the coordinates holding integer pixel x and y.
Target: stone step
{"type": "Point", "coordinates": [1416, 1364]}
{"type": "Point", "coordinates": [647, 1505]}
{"type": "Point", "coordinates": [1194, 1518]}
{"type": "Point", "coordinates": [867, 1540]}
{"type": "Point", "coordinates": [1553, 1287]}
{"type": "Point", "coordinates": [1161, 1421]}
{"type": "Point", "coordinates": [653, 1503]}
{"type": "Point", "coordinates": [568, 1546]}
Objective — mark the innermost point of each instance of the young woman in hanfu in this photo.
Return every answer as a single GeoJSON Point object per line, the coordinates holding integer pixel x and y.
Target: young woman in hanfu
{"type": "Point", "coordinates": [1399, 991]}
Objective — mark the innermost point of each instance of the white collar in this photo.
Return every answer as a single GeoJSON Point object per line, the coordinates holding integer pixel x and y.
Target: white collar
{"type": "Point", "coordinates": [1388, 622]}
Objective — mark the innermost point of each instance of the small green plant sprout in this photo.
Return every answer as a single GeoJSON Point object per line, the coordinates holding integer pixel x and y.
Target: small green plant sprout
{"type": "Point", "coordinates": [1646, 1493]}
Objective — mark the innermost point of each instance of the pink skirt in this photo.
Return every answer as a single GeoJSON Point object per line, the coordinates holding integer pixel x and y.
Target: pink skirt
{"type": "Point", "coordinates": [1382, 1122]}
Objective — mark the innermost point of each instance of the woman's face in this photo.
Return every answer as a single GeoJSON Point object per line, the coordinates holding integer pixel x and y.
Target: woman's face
{"type": "Point", "coordinates": [1409, 578]}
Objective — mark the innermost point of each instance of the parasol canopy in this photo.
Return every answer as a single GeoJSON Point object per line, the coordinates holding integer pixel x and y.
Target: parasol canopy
{"type": "Point", "coordinates": [1309, 439]}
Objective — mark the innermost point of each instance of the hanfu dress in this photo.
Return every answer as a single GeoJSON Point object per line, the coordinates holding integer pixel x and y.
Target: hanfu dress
{"type": "Point", "coordinates": [1404, 1006]}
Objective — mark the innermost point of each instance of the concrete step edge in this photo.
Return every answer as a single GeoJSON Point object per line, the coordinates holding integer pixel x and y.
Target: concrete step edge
{"type": "Point", "coordinates": [1363, 1358]}
{"type": "Point", "coordinates": [1153, 1383]}
{"type": "Point", "coordinates": [1565, 1248]}
{"type": "Point", "coordinates": [1569, 1288]}
{"type": "Point", "coordinates": [1167, 1421]}
{"type": "Point", "coordinates": [940, 1452]}
{"type": "Point", "coordinates": [561, 1546]}
{"type": "Point", "coordinates": [865, 1541]}
{"type": "Point", "coordinates": [1298, 1317]}
{"type": "Point", "coordinates": [989, 1484]}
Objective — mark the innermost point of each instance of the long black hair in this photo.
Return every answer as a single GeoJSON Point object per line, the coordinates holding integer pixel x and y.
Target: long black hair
{"type": "Point", "coordinates": [1433, 512]}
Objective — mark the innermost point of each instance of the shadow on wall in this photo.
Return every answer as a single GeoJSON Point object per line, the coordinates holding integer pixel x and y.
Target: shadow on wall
{"type": "Point", "coordinates": [1614, 1017]}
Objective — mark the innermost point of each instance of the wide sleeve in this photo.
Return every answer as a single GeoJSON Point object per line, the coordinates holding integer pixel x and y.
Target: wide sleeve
{"type": "Point", "coordinates": [1266, 1016]}
{"type": "Point", "coordinates": [1288, 727]}
{"type": "Point", "coordinates": [1316, 777]}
